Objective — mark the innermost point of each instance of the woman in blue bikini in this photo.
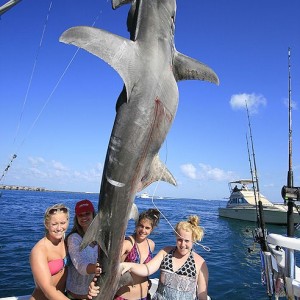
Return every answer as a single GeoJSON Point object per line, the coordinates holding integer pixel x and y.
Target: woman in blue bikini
{"type": "Point", "coordinates": [183, 273]}
{"type": "Point", "coordinates": [138, 249]}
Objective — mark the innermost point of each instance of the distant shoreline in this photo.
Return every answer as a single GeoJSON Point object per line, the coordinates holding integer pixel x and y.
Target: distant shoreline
{"type": "Point", "coordinates": [23, 188]}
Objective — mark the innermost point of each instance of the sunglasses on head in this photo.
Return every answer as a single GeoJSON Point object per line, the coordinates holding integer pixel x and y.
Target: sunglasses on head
{"type": "Point", "coordinates": [53, 211]}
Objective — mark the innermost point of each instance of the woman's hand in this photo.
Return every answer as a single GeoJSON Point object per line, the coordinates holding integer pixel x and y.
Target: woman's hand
{"type": "Point", "coordinates": [98, 269]}
{"type": "Point", "coordinates": [125, 267]}
{"type": "Point", "coordinates": [93, 289]}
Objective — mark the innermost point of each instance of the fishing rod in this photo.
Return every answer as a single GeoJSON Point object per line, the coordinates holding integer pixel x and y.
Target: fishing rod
{"type": "Point", "coordinates": [290, 256]}
{"type": "Point", "coordinates": [253, 185]}
{"type": "Point", "coordinates": [260, 232]}
{"type": "Point", "coordinates": [290, 177]}
{"type": "Point", "coordinates": [261, 236]}
{"type": "Point", "coordinates": [8, 166]}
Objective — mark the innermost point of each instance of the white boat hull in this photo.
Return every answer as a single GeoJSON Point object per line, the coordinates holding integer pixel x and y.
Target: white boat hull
{"type": "Point", "coordinates": [271, 215]}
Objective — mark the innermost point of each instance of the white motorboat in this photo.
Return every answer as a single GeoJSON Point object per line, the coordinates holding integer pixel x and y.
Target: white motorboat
{"type": "Point", "coordinates": [145, 195]}
{"type": "Point", "coordinates": [243, 205]}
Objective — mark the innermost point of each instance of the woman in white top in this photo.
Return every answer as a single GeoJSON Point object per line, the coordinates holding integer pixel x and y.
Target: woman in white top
{"type": "Point", "coordinates": [83, 264]}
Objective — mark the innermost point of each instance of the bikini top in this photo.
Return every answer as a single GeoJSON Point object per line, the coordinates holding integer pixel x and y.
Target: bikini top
{"type": "Point", "coordinates": [57, 265]}
{"type": "Point", "coordinates": [134, 256]}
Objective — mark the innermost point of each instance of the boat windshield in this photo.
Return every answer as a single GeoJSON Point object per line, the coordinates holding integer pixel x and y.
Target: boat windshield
{"type": "Point", "coordinates": [240, 185]}
{"type": "Point", "coordinates": [237, 201]}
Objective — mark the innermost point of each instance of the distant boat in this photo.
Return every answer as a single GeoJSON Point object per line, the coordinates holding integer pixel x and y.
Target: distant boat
{"type": "Point", "coordinates": [145, 195]}
{"type": "Point", "coordinates": [241, 205]}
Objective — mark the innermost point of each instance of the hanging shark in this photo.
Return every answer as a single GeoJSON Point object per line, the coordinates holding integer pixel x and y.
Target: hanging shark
{"type": "Point", "coordinates": [150, 67]}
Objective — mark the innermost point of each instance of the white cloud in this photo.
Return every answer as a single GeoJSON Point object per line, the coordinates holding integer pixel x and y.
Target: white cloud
{"type": "Point", "coordinates": [238, 101]}
{"type": "Point", "coordinates": [58, 166]}
{"type": "Point", "coordinates": [206, 172]}
{"type": "Point", "coordinates": [293, 103]}
{"type": "Point", "coordinates": [36, 172]}
{"type": "Point", "coordinates": [54, 174]}
{"type": "Point", "coordinates": [35, 161]}
{"type": "Point", "coordinates": [189, 170]}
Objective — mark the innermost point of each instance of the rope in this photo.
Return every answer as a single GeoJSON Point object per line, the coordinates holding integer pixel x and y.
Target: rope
{"type": "Point", "coordinates": [32, 72]}
{"type": "Point", "coordinates": [55, 87]}
{"type": "Point", "coordinates": [30, 83]}
{"type": "Point", "coordinates": [206, 248]}
{"type": "Point", "coordinates": [27, 91]}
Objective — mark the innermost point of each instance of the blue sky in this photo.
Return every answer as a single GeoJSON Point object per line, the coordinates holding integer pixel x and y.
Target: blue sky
{"type": "Point", "coordinates": [58, 119]}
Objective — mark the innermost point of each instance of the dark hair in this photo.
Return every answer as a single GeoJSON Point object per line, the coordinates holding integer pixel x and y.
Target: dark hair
{"type": "Point", "coordinates": [151, 214]}
{"type": "Point", "coordinates": [77, 228]}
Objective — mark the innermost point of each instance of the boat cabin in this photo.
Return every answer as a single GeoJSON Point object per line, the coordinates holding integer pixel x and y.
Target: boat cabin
{"type": "Point", "coordinates": [242, 194]}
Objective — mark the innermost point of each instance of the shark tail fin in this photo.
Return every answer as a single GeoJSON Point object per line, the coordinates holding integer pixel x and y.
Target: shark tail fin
{"type": "Point", "coordinates": [94, 234]}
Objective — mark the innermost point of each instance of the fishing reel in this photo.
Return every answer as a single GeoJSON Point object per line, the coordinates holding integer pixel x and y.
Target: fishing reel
{"type": "Point", "coordinates": [292, 193]}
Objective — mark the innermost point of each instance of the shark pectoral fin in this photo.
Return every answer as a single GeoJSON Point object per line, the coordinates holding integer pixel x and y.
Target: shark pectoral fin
{"type": "Point", "coordinates": [134, 213]}
{"type": "Point", "coordinates": [117, 51]}
{"type": "Point", "coordinates": [158, 171]}
{"type": "Point", "coordinates": [186, 68]}
{"type": "Point", "coordinates": [93, 234]}
{"type": "Point", "coordinates": [117, 3]}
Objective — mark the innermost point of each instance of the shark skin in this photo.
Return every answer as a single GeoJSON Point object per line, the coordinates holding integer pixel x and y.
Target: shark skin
{"type": "Point", "coordinates": [150, 67]}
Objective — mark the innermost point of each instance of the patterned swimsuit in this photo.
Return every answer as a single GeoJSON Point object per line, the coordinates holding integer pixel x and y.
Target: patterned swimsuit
{"type": "Point", "coordinates": [134, 256]}
{"type": "Point", "coordinates": [179, 285]}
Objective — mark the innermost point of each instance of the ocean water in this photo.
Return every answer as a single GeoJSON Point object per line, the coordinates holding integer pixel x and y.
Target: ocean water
{"type": "Point", "coordinates": [234, 272]}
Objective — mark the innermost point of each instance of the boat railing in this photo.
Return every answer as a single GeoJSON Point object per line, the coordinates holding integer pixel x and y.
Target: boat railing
{"type": "Point", "coordinates": [279, 247]}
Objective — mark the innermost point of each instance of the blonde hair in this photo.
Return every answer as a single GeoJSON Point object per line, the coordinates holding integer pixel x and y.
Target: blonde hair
{"type": "Point", "coordinates": [192, 225]}
{"type": "Point", "coordinates": [60, 207]}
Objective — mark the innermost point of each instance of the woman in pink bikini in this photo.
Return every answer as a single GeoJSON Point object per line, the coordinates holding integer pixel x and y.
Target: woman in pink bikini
{"type": "Point", "coordinates": [138, 248]}
{"type": "Point", "coordinates": [48, 257]}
